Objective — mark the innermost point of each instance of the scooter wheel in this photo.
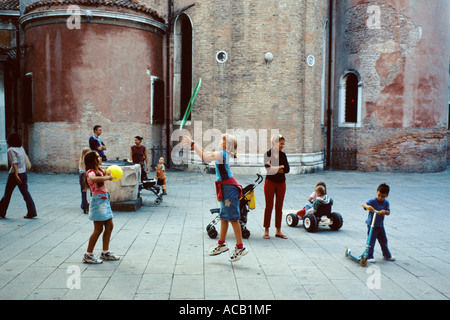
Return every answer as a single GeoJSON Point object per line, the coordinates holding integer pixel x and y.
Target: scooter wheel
{"type": "Point", "coordinates": [347, 252]}
{"type": "Point", "coordinates": [363, 261]}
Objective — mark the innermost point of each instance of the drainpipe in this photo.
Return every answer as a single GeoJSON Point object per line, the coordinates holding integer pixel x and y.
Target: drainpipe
{"type": "Point", "coordinates": [331, 68]}
{"type": "Point", "coordinates": [168, 109]}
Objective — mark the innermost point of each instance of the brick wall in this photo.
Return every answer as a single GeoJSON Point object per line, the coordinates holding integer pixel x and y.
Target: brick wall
{"type": "Point", "coordinates": [400, 50]}
{"type": "Point", "coordinates": [98, 74]}
{"type": "Point", "coordinates": [247, 92]}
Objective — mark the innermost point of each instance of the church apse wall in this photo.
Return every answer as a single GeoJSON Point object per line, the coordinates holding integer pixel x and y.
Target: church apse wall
{"type": "Point", "coordinates": [99, 72]}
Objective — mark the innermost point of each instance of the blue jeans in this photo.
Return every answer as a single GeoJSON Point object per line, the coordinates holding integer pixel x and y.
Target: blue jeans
{"type": "Point", "coordinates": [23, 188]}
{"type": "Point", "coordinates": [380, 234]}
{"type": "Point", "coordinates": [84, 202]}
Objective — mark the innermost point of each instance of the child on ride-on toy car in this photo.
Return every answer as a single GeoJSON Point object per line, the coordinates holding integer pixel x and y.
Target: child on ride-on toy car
{"type": "Point", "coordinates": [322, 204]}
{"type": "Point", "coordinates": [311, 199]}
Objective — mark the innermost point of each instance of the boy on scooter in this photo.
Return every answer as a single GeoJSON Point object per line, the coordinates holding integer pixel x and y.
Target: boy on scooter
{"type": "Point", "coordinates": [380, 204]}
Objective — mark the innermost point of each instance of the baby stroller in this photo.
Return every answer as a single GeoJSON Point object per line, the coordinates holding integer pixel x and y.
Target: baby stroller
{"type": "Point", "coordinates": [151, 185]}
{"type": "Point", "coordinates": [246, 203]}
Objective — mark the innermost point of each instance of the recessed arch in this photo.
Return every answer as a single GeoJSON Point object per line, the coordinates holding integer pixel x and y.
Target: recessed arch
{"type": "Point", "coordinates": [183, 53]}
{"type": "Point", "coordinates": [350, 99]}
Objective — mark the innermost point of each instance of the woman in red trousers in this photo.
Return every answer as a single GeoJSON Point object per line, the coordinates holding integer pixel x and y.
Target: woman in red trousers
{"type": "Point", "coordinates": [277, 166]}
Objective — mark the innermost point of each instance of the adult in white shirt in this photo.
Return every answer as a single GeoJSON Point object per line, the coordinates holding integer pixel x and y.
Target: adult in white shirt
{"type": "Point", "coordinates": [17, 177]}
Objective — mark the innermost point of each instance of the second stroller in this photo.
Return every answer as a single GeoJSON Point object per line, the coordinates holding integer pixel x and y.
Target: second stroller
{"type": "Point", "coordinates": [246, 203]}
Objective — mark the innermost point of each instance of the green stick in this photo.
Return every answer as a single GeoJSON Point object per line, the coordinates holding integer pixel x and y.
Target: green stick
{"type": "Point", "coordinates": [191, 103]}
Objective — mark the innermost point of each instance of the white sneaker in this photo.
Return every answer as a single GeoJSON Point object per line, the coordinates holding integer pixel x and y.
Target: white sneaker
{"type": "Point", "coordinates": [89, 258]}
{"type": "Point", "coordinates": [391, 258]}
{"type": "Point", "coordinates": [371, 260]}
{"type": "Point", "coordinates": [221, 248]}
{"type": "Point", "coordinates": [109, 256]}
{"type": "Point", "coordinates": [238, 254]}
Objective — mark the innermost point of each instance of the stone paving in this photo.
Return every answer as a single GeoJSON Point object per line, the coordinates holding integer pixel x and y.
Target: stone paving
{"type": "Point", "coordinates": [164, 249]}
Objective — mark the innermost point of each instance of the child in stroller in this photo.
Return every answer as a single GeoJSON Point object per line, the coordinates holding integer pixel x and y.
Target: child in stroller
{"type": "Point", "coordinates": [246, 203]}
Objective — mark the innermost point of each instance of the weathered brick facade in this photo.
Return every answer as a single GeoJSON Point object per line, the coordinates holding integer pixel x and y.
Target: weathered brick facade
{"type": "Point", "coordinates": [99, 72]}
{"type": "Point", "coordinates": [400, 50]}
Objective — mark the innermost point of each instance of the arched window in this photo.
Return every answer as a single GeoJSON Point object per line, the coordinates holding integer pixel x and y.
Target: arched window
{"type": "Point", "coordinates": [350, 91]}
{"type": "Point", "coordinates": [182, 66]}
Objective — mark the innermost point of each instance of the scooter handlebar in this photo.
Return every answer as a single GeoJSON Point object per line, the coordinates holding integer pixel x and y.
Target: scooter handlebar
{"type": "Point", "coordinates": [375, 211]}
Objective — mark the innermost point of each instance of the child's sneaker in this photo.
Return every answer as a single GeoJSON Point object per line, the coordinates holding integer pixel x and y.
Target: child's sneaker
{"type": "Point", "coordinates": [89, 258]}
{"type": "Point", "coordinates": [219, 249]}
{"type": "Point", "coordinates": [109, 256]}
{"type": "Point", "coordinates": [391, 258]}
{"type": "Point", "coordinates": [371, 260]}
{"type": "Point", "coordinates": [238, 254]}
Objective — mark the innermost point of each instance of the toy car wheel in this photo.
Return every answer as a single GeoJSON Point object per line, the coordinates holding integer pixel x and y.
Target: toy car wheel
{"type": "Point", "coordinates": [310, 223]}
{"type": "Point", "coordinates": [245, 233]}
{"type": "Point", "coordinates": [212, 233]}
{"type": "Point", "coordinates": [337, 221]}
{"type": "Point", "coordinates": [292, 220]}
{"type": "Point", "coordinates": [158, 201]}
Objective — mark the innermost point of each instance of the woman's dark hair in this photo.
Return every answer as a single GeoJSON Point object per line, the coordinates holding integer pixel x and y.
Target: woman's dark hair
{"type": "Point", "coordinates": [139, 138]}
{"type": "Point", "coordinates": [14, 140]}
{"type": "Point", "coordinates": [91, 163]}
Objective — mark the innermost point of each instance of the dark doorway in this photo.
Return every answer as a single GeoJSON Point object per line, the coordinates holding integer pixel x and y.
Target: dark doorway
{"type": "Point", "coordinates": [186, 63]}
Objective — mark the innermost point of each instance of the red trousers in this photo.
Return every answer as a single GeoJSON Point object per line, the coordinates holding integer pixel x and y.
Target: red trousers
{"type": "Point", "coordinates": [271, 190]}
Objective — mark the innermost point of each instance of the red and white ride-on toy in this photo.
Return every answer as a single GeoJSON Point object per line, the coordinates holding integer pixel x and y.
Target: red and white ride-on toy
{"type": "Point", "coordinates": [324, 217]}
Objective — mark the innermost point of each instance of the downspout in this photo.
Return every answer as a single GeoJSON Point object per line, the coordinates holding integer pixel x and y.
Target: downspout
{"type": "Point", "coordinates": [331, 69]}
{"type": "Point", "coordinates": [168, 87]}
{"type": "Point", "coordinates": [18, 81]}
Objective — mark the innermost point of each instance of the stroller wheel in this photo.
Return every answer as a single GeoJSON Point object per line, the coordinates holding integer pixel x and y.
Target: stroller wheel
{"type": "Point", "coordinates": [245, 233]}
{"type": "Point", "coordinates": [212, 232]}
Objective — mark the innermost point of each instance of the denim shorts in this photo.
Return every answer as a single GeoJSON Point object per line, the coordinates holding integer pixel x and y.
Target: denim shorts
{"type": "Point", "coordinates": [100, 208]}
{"type": "Point", "coordinates": [229, 206]}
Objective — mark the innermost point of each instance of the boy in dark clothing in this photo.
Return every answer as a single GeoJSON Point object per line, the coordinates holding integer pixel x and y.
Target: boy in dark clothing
{"type": "Point", "coordinates": [382, 205]}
